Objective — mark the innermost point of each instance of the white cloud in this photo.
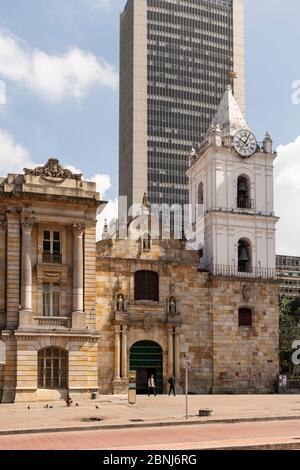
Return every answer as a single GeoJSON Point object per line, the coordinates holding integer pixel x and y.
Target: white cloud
{"type": "Point", "coordinates": [109, 213]}
{"type": "Point", "coordinates": [287, 198]}
{"type": "Point", "coordinates": [54, 77]}
{"type": "Point", "coordinates": [13, 157]}
{"type": "Point", "coordinates": [103, 184]}
{"type": "Point", "coordinates": [96, 4]}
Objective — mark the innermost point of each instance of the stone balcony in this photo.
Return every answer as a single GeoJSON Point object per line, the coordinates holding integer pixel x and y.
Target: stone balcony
{"type": "Point", "coordinates": [52, 322]}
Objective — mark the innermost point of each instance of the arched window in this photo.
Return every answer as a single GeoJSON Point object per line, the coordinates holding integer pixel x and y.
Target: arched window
{"type": "Point", "coordinates": [200, 200]}
{"type": "Point", "coordinates": [200, 194]}
{"type": "Point", "coordinates": [53, 368]}
{"type": "Point", "coordinates": [244, 256]}
{"type": "Point", "coordinates": [243, 193]}
{"type": "Point", "coordinates": [245, 317]}
{"type": "Point", "coordinates": [146, 286]}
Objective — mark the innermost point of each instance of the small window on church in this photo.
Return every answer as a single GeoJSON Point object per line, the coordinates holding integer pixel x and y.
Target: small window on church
{"type": "Point", "coordinates": [245, 317]}
{"type": "Point", "coordinates": [146, 284]}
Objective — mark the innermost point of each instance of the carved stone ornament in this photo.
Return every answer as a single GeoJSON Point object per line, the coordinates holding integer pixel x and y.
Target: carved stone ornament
{"type": "Point", "coordinates": [148, 323]}
{"type": "Point", "coordinates": [79, 229]}
{"type": "Point", "coordinates": [120, 303]}
{"type": "Point", "coordinates": [172, 306]}
{"type": "Point", "coordinates": [53, 169]}
{"type": "Point", "coordinates": [247, 292]}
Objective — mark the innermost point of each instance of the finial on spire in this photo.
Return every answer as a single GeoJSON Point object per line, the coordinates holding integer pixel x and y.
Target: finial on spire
{"type": "Point", "coordinates": [105, 234]}
{"type": "Point", "coordinates": [268, 143]}
{"type": "Point", "coordinates": [146, 202]}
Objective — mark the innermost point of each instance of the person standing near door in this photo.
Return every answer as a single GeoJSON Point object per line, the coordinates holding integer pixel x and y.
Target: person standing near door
{"type": "Point", "coordinates": [172, 382]}
{"type": "Point", "coordinates": [151, 385]}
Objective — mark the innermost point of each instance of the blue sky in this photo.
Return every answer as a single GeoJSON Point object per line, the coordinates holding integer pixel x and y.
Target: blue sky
{"type": "Point", "coordinates": [79, 123]}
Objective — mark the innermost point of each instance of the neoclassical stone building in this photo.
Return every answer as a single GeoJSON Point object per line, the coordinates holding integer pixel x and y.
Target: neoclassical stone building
{"type": "Point", "coordinates": [76, 316]}
{"type": "Point", "coordinates": [48, 280]}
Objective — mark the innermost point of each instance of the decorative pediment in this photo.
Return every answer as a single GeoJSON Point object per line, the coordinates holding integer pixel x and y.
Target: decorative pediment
{"type": "Point", "coordinates": [53, 169]}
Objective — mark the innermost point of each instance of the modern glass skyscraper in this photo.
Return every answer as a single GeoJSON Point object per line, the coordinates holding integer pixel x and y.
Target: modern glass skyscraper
{"type": "Point", "coordinates": [177, 56]}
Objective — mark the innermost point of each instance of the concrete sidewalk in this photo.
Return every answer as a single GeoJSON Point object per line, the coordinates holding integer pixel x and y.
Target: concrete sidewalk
{"type": "Point", "coordinates": [115, 411]}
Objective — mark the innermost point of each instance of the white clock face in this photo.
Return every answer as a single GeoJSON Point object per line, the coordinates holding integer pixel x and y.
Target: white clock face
{"type": "Point", "coordinates": [245, 143]}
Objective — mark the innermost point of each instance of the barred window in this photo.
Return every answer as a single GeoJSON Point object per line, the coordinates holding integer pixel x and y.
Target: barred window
{"type": "Point", "coordinates": [146, 286]}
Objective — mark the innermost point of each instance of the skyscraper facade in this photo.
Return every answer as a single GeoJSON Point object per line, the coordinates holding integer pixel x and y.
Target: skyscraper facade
{"type": "Point", "coordinates": [177, 56]}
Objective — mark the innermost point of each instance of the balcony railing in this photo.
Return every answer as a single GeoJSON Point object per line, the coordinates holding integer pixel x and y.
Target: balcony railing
{"type": "Point", "coordinates": [53, 322]}
{"type": "Point", "coordinates": [245, 203]}
{"type": "Point", "coordinates": [52, 258]}
{"type": "Point", "coordinates": [233, 271]}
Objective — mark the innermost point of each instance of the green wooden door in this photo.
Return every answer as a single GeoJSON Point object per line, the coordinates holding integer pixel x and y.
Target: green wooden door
{"type": "Point", "coordinates": [146, 358]}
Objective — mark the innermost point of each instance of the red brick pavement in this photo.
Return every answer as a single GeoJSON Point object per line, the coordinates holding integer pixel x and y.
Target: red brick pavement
{"type": "Point", "coordinates": [180, 437]}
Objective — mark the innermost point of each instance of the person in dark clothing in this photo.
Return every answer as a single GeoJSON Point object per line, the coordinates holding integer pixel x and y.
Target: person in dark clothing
{"type": "Point", "coordinates": [172, 383]}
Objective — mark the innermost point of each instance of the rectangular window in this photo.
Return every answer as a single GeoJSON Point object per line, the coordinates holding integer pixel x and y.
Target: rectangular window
{"type": "Point", "coordinates": [245, 317]}
{"type": "Point", "coordinates": [51, 300]}
{"type": "Point", "coordinates": [51, 247]}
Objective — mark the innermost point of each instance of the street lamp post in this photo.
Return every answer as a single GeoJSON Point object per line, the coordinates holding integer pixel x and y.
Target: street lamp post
{"type": "Point", "coordinates": [187, 364]}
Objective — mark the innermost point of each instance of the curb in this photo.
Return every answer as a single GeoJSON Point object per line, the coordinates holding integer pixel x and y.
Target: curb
{"type": "Point", "coordinates": [148, 425]}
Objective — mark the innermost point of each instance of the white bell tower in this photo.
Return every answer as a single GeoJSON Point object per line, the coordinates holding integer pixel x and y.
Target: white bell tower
{"type": "Point", "coordinates": [232, 176]}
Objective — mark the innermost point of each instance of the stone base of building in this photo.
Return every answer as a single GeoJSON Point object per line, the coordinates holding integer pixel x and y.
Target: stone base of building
{"type": "Point", "coordinates": [120, 387]}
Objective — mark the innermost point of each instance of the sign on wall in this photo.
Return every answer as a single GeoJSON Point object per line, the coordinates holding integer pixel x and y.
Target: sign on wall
{"type": "Point", "coordinates": [2, 353]}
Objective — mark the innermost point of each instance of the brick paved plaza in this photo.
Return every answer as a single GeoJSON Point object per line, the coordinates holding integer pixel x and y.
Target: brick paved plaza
{"type": "Point", "coordinates": [115, 410]}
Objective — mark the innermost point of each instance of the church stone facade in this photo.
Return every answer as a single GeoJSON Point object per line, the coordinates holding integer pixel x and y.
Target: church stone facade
{"type": "Point", "coordinates": [76, 316]}
{"type": "Point", "coordinates": [226, 357]}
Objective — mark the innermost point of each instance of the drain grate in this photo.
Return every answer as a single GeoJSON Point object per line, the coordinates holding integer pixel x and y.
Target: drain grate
{"type": "Point", "coordinates": [91, 420]}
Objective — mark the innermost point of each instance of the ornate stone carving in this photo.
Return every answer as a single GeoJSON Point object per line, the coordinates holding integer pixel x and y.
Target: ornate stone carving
{"type": "Point", "coordinates": [247, 293]}
{"type": "Point", "coordinates": [120, 303]}
{"type": "Point", "coordinates": [119, 284]}
{"type": "Point", "coordinates": [53, 169]}
{"type": "Point", "coordinates": [79, 229]}
{"type": "Point", "coordinates": [27, 223]}
{"type": "Point", "coordinates": [146, 202]}
{"type": "Point", "coordinates": [146, 243]}
{"type": "Point", "coordinates": [148, 323]}
{"type": "Point", "coordinates": [172, 306]}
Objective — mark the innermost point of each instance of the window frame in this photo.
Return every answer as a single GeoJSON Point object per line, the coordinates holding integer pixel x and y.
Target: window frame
{"type": "Point", "coordinates": [145, 285]}
{"type": "Point", "coordinates": [51, 255]}
{"type": "Point", "coordinates": [54, 288]}
{"type": "Point", "coordinates": [50, 371]}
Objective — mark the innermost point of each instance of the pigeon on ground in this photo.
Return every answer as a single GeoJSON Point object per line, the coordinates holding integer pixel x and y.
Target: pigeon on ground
{"type": "Point", "coordinates": [77, 404]}
{"type": "Point", "coordinates": [97, 407]}
{"type": "Point", "coordinates": [28, 407]}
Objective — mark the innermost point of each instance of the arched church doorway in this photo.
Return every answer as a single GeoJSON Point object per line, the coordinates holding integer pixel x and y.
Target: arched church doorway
{"type": "Point", "coordinates": [146, 358]}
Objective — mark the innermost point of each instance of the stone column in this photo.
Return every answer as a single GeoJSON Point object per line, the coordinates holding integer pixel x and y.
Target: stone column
{"type": "Point", "coordinates": [26, 279]}
{"type": "Point", "coordinates": [78, 317]}
{"type": "Point", "coordinates": [124, 353]}
{"type": "Point", "coordinates": [26, 317]}
{"type": "Point", "coordinates": [117, 353]}
{"type": "Point", "coordinates": [170, 353]}
{"type": "Point", "coordinates": [177, 356]}
{"type": "Point", "coordinates": [3, 228]}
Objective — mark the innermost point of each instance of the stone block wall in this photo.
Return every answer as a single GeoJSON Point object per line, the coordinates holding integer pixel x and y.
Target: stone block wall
{"type": "Point", "coordinates": [245, 359]}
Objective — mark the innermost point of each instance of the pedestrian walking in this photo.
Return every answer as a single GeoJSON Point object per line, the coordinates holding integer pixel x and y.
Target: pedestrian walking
{"type": "Point", "coordinates": [172, 383]}
{"type": "Point", "coordinates": [151, 385]}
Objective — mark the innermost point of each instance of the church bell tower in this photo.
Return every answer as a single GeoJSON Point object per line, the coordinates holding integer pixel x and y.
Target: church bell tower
{"type": "Point", "coordinates": [231, 193]}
